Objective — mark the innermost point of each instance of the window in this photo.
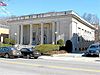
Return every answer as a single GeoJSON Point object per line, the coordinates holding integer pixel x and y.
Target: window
{"type": "Point", "coordinates": [78, 38]}
{"type": "Point", "coordinates": [23, 49]}
{"type": "Point", "coordinates": [93, 46]}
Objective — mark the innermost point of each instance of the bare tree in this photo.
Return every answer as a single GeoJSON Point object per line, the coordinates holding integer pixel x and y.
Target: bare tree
{"type": "Point", "coordinates": [91, 18]}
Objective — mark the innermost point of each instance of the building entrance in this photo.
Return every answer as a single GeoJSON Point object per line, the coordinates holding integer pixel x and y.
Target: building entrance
{"type": "Point", "coordinates": [34, 38]}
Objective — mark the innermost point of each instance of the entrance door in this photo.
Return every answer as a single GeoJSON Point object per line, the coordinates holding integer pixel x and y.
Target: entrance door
{"type": "Point", "coordinates": [34, 38]}
{"type": "Point", "coordinates": [45, 35]}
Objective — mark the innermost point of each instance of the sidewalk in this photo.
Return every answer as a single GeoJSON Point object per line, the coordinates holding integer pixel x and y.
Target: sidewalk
{"type": "Point", "coordinates": [68, 55]}
{"type": "Point", "coordinates": [72, 57]}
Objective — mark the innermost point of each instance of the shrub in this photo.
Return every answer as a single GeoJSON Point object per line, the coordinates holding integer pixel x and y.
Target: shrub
{"type": "Point", "coordinates": [5, 45]}
{"type": "Point", "coordinates": [45, 48]}
{"type": "Point", "coordinates": [9, 41]}
{"type": "Point", "coordinates": [60, 42]}
{"type": "Point", "coordinates": [12, 42]}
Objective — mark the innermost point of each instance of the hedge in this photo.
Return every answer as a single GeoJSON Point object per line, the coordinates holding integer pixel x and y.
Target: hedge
{"type": "Point", "coordinates": [60, 42]}
{"type": "Point", "coordinates": [5, 45]}
{"type": "Point", "coordinates": [9, 41]}
{"type": "Point", "coordinates": [45, 48]}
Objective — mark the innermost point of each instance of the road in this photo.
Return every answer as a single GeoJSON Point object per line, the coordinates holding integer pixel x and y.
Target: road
{"type": "Point", "coordinates": [47, 67]}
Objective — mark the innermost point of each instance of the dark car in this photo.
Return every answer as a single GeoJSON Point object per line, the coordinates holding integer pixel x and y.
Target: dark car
{"type": "Point", "coordinates": [9, 52]}
{"type": "Point", "coordinates": [93, 50]}
{"type": "Point", "coordinates": [29, 53]}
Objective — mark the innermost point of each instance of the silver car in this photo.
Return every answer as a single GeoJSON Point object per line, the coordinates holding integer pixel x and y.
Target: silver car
{"type": "Point", "coordinates": [93, 50]}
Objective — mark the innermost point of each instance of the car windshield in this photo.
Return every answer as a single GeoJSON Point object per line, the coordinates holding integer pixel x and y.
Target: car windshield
{"type": "Point", "coordinates": [93, 46]}
{"type": "Point", "coordinates": [30, 49]}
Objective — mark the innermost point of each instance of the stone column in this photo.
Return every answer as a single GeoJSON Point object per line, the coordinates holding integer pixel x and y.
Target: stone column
{"type": "Point", "coordinates": [57, 31]}
{"type": "Point", "coordinates": [41, 33]}
{"type": "Point", "coordinates": [17, 35]}
{"type": "Point", "coordinates": [30, 34]}
{"type": "Point", "coordinates": [53, 32]}
{"type": "Point", "coordinates": [21, 40]}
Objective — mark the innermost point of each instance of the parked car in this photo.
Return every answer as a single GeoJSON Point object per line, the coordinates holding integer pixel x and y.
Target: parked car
{"type": "Point", "coordinates": [9, 52]}
{"type": "Point", "coordinates": [93, 50]}
{"type": "Point", "coordinates": [29, 53]}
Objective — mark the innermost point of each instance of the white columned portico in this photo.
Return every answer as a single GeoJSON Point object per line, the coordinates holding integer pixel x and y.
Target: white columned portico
{"type": "Point", "coordinates": [42, 33]}
{"type": "Point", "coordinates": [30, 34]}
{"type": "Point", "coordinates": [53, 32]}
{"type": "Point", "coordinates": [21, 41]}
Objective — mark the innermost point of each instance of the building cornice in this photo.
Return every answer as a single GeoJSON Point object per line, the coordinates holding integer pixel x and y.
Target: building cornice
{"type": "Point", "coordinates": [50, 14]}
{"type": "Point", "coordinates": [76, 16]}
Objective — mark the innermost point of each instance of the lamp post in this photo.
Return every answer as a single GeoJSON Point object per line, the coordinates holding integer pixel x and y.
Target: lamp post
{"type": "Point", "coordinates": [56, 37]}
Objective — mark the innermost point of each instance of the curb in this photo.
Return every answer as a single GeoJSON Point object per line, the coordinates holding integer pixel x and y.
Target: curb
{"type": "Point", "coordinates": [67, 55]}
{"type": "Point", "coordinates": [82, 59]}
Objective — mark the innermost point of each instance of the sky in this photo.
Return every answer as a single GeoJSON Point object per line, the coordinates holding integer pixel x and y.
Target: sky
{"type": "Point", "coordinates": [26, 7]}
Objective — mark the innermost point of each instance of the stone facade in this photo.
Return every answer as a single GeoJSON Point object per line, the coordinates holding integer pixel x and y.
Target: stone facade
{"type": "Point", "coordinates": [47, 28]}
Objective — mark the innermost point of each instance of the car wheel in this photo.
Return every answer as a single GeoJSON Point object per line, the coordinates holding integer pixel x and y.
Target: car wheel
{"type": "Point", "coordinates": [28, 56]}
{"type": "Point", "coordinates": [35, 57]}
{"type": "Point", "coordinates": [6, 56]}
{"type": "Point", "coordinates": [97, 55]}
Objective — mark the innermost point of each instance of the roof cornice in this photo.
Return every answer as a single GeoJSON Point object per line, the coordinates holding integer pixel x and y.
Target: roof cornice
{"type": "Point", "coordinates": [76, 16]}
